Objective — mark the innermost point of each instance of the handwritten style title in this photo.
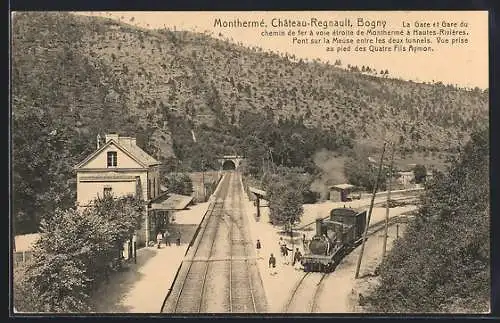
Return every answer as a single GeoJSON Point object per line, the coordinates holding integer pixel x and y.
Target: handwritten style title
{"type": "Point", "coordinates": [306, 23]}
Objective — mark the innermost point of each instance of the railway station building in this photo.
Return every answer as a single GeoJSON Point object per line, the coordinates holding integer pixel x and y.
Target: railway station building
{"type": "Point", "coordinates": [119, 167]}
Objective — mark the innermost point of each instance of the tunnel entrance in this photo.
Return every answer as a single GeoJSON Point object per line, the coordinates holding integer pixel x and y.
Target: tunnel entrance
{"type": "Point", "coordinates": [228, 165]}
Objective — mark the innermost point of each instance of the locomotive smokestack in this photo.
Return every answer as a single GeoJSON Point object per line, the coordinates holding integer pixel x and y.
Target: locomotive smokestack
{"type": "Point", "coordinates": [318, 226]}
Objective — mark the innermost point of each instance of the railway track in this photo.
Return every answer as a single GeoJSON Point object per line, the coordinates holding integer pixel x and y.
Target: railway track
{"type": "Point", "coordinates": [241, 291]}
{"type": "Point", "coordinates": [306, 291]}
{"type": "Point", "coordinates": [188, 297]}
{"type": "Point", "coordinates": [218, 275]}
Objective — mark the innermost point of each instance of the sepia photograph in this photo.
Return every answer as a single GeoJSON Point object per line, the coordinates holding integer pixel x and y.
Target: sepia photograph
{"type": "Point", "coordinates": [249, 162]}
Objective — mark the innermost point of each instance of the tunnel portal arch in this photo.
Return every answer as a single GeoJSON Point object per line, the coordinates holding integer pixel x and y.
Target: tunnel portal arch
{"type": "Point", "coordinates": [228, 165]}
{"type": "Point", "coordinates": [230, 162]}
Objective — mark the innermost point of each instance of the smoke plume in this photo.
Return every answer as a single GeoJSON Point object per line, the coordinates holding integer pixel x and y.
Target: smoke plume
{"type": "Point", "coordinates": [332, 171]}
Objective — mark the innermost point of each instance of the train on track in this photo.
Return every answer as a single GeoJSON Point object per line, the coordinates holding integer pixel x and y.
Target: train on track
{"type": "Point", "coordinates": [335, 237]}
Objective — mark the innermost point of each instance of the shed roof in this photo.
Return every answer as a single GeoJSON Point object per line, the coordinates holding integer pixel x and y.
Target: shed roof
{"type": "Point", "coordinates": [168, 202]}
{"type": "Point", "coordinates": [342, 186]}
{"type": "Point", "coordinates": [257, 191]}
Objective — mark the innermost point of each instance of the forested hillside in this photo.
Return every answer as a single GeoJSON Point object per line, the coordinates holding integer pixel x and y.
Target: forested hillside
{"type": "Point", "coordinates": [76, 76]}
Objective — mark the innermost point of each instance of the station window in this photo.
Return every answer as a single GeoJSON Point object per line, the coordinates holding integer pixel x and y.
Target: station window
{"type": "Point", "coordinates": [112, 159]}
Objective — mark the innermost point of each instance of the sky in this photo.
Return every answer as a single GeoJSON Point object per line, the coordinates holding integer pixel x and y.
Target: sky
{"type": "Point", "coordinates": [462, 64]}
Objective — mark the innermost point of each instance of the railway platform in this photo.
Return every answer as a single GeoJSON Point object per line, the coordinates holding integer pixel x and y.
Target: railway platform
{"type": "Point", "coordinates": [141, 288]}
{"type": "Point", "coordinates": [277, 286]}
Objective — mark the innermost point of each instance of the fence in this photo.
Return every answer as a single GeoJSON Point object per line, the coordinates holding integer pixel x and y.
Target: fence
{"type": "Point", "coordinates": [210, 179]}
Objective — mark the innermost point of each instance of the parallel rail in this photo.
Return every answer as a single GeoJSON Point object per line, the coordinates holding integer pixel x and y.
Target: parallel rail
{"type": "Point", "coordinates": [190, 284]}
{"type": "Point", "coordinates": [319, 288]}
{"type": "Point", "coordinates": [294, 291]}
{"type": "Point", "coordinates": [240, 280]}
{"type": "Point", "coordinates": [197, 271]}
{"type": "Point", "coordinates": [209, 258]}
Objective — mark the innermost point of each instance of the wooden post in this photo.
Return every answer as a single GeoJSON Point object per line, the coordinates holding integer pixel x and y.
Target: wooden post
{"type": "Point", "coordinates": [384, 247]}
{"type": "Point", "coordinates": [147, 228]}
{"type": "Point", "coordinates": [258, 206]}
{"type": "Point", "coordinates": [370, 211]}
{"type": "Point", "coordinates": [135, 252]}
{"type": "Point", "coordinates": [397, 230]}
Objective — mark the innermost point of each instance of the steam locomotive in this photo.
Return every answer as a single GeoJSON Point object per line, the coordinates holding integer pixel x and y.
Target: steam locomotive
{"type": "Point", "coordinates": [335, 237]}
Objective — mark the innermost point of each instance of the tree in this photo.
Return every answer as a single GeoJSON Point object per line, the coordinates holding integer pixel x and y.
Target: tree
{"type": "Point", "coordinates": [75, 254]}
{"type": "Point", "coordinates": [58, 272]}
{"type": "Point", "coordinates": [285, 201]}
{"type": "Point", "coordinates": [361, 172]}
{"type": "Point", "coordinates": [42, 163]}
{"type": "Point", "coordinates": [420, 173]}
{"type": "Point", "coordinates": [442, 264]}
{"type": "Point", "coordinates": [179, 183]}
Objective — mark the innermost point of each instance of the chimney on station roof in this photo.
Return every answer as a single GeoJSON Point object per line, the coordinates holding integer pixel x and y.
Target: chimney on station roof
{"type": "Point", "coordinates": [112, 136]}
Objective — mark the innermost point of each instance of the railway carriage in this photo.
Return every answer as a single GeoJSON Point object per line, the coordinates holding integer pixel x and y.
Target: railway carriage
{"type": "Point", "coordinates": [335, 237]}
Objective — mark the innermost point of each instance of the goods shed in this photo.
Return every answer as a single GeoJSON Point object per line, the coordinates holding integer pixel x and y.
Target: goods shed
{"type": "Point", "coordinates": [340, 192]}
{"type": "Point", "coordinates": [164, 206]}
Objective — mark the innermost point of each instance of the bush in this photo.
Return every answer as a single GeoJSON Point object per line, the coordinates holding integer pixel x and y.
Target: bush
{"type": "Point", "coordinates": [420, 173]}
{"type": "Point", "coordinates": [310, 197]}
{"type": "Point", "coordinates": [179, 183]}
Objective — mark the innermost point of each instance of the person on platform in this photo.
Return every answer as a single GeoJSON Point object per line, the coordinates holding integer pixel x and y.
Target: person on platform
{"type": "Point", "coordinates": [167, 238]}
{"type": "Point", "coordinates": [272, 264]}
{"type": "Point", "coordinates": [282, 245]}
{"type": "Point", "coordinates": [159, 238]}
{"type": "Point", "coordinates": [285, 253]}
{"type": "Point", "coordinates": [179, 238]}
{"type": "Point", "coordinates": [297, 257]}
{"type": "Point", "coordinates": [258, 246]}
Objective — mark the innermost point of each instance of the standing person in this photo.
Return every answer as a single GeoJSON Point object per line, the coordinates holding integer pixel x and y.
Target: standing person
{"type": "Point", "coordinates": [159, 238]}
{"type": "Point", "coordinates": [272, 264]}
{"type": "Point", "coordinates": [258, 246]}
{"type": "Point", "coordinates": [285, 253]}
{"type": "Point", "coordinates": [282, 247]}
{"type": "Point", "coordinates": [167, 238]}
{"type": "Point", "coordinates": [297, 257]}
{"type": "Point", "coordinates": [179, 238]}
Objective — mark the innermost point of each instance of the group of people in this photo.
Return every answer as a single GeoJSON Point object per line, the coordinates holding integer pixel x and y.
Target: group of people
{"type": "Point", "coordinates": [167, 236]}
{"type": "Point", "coordinates": [284, 250]}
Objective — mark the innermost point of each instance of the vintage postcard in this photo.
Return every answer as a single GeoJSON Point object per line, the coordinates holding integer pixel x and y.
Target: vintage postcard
{"type": "Point", "coordinates": [250, 162]}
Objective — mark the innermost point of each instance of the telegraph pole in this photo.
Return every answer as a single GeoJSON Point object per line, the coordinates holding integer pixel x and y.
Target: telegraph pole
{"type": "Point", "coordinates": [203, 178]}
{"type": "Point", "coordinates": [384, 248]}
{"type": "Point", "coordinates": [370, 210]}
